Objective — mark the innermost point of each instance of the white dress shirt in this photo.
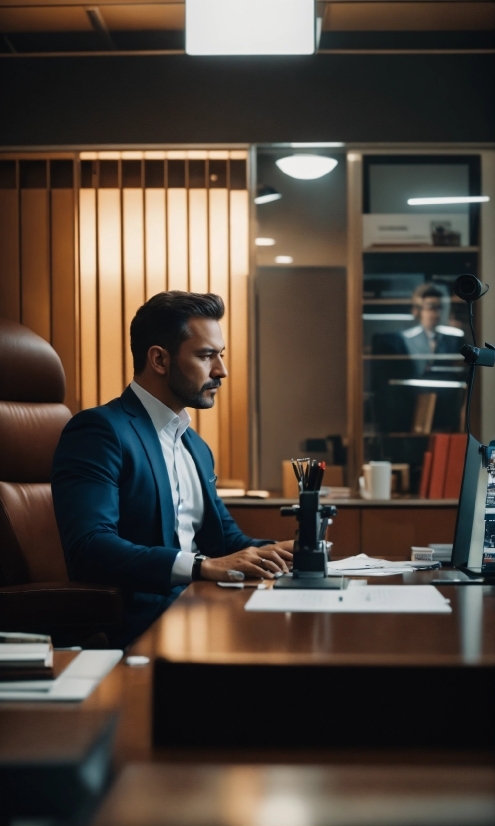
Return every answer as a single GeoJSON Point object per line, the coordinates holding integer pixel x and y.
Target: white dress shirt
{"type": "Point", "coordinates": [187, 494]}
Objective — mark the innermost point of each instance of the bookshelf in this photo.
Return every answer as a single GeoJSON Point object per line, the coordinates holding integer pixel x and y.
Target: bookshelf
{"type": "Point", "coordinates": [391, 360]}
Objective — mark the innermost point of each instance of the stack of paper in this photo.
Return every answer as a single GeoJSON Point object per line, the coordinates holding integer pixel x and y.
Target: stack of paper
{"type": "Point", "coordinates": [363, 565]}
{"type": "Point", "coordinates": [74, 684]}
{"type": "Point", "coordinates": [25, 657]}
{"type": "Point", "coordinates": [367, 599]}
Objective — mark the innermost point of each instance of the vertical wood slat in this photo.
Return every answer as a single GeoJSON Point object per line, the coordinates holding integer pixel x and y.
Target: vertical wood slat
{"type": "Point", "coordinates": [63, 293]}
{"type": "Point", "coordinates": [10, 290]}
{"type": "Point", "coordinates": [156, 251]}
{"type": "Point", "coordinates": [177, 239]}
{"type": "Point", "coordinates": [133, 245]}
{"type": "Point", "coordinates": [198, 241]}
{"type": "Point", "coordinates": [35, 261]}
{"type": "Point", "coordinates": [88, 297]}
{"type": "Point", "coordinates": [219, 283]}
{"type": "Point", "coordinates": [239, 352]}
{"type": "Point", "coordinates": [111, 350]}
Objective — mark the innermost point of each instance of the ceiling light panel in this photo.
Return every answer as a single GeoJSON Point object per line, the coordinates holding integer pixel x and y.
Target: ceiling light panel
{"type": "Point", "coordinates": [461, 199]}
{"type": "Point", "coordinates": [250, 27]}
{"type": "Point", "coordinates": [306, 167]}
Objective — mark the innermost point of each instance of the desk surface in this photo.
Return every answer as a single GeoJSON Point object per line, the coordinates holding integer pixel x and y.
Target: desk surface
{"type": "Point", "coordinates": [209, 625]}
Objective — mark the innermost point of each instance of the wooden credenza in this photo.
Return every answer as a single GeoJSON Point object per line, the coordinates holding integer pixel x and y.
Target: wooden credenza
{"type": "Point", "coordinates": [376, 528]}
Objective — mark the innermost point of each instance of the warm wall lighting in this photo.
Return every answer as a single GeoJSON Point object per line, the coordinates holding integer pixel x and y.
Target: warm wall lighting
{"type": "Point", "coordinates": [306, 167]}
{"type": "Point", "coordinates": [264, 242]}
{"type": "Point", "coordinates": [463, 199]}
{"type": "Point", "coordinates": [284, 259]}
{"type": "Point", "coordinates": [265, 194]}
{"type": "Point", "coordinates": [250, 27]}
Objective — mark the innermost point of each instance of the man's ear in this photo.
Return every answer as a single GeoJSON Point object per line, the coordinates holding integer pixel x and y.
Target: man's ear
{"type": "Point", "coordinates": [159, 360]}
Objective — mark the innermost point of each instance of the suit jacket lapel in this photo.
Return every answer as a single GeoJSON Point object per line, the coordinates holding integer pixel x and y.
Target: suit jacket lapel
{"type": "Point", "coordinates": [147, 434]}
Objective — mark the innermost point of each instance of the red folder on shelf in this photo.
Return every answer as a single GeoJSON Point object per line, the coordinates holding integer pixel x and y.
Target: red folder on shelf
{"type": "Point", "coordinates": [425, 475]}
{"type": "Point", "coordinates": [440, 443]}
{"type": "Point", "coordinates": [455, 466]}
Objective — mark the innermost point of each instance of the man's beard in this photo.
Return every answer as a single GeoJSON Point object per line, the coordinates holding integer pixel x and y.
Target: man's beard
{"type": "Point", "coordinates": [188, 392]}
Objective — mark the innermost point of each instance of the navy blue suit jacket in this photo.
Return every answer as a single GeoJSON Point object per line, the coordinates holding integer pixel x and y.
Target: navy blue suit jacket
{"type": "Point", "coordinates": [114, 509]}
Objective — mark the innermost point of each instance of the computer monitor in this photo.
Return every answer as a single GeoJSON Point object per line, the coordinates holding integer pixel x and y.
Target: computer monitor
{"type": "Point", "coordinates": [474, 540]}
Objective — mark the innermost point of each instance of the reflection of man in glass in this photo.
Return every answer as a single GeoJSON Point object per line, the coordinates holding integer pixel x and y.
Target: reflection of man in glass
{"type": "Point", "coordinates": [428, 336]}
{"type": "Point", "coordinates": [395, 398]}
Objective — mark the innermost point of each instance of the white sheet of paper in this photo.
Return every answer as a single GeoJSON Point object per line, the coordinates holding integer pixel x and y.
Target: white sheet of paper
{"type": "Point", "coordinates": [368, 599]}
{"type": "Point", "coordinates": [76, 683]}
{"type": "Point", "coordinates": [363, 565]}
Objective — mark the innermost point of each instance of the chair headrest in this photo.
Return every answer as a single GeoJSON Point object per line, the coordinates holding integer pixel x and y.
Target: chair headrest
{"type": "Point", "coordinates": [30, 369]}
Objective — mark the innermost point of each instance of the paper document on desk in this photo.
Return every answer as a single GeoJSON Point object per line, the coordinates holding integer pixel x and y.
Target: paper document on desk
{"type": "Point", "coordinates": [363, 565]}
{"type": "Point", "coordinates": [74, 684]}
{"type": "Point", "coordinates": [368, 599]}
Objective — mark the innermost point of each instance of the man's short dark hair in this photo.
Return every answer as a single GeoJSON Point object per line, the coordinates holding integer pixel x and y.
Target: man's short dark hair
{"type": "Point", "coordinates": [163, 321]}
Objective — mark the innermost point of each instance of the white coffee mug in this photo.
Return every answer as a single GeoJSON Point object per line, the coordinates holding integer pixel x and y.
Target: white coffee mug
{"type": "Point", "coordinates": [376, 482]}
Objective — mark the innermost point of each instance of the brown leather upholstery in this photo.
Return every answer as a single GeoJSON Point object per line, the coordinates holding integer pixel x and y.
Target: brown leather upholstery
{"type": "Point", "coordinates": [30, 550]}
{"type": "Point", "coordinates": [35, 594]}
{"type": "Point", "coordinates": [30, 370]}
{"type": "Point", "coordinates": [29, 434]}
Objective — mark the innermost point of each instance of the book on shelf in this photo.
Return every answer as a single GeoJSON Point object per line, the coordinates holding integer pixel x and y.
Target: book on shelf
{"type": "Point", "coordinates": [439, 445]}
{"type": "Point", "coordinates": [443, 466]}
{"type": "Point", "coordinates": [455, 465]}
{"type": "Point", "coordinates": [424, 411]}
{"type": "Point", "coordinates": [424, 484]}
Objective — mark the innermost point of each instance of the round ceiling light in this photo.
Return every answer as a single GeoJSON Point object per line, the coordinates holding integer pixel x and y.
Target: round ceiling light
{"type": "Point", "coordinates": [306, 167]}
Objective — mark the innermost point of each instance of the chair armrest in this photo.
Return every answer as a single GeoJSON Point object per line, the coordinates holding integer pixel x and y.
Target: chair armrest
{"type": "Point", "coordinates": [59, 605]}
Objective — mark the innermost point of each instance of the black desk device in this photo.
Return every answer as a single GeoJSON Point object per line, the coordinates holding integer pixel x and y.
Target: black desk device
{"type": "Point", "coordinates": [310, 562]}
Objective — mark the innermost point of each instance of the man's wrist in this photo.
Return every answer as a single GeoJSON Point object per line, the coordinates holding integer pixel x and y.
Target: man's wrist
{"type": "Point", "coordinates": [197, 565]}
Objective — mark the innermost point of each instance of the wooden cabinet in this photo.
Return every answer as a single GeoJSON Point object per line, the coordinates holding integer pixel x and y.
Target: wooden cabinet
{"type": "Point", "coordinates": [373, 530]}
{"type": "Point", "coordinates": [390, 532]}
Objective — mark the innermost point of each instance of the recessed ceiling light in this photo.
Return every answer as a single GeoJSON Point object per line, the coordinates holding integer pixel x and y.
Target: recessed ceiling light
{"type": "Point", "coordinates": [306, 167]}
{"type": "Point", "coordinates": [250, 27]}
{"type": "Point", "coordinates": [284, 259]}
{"type": "Point", "coordinates": [265, 194]}
{"type": "Point", "coordinates": [464, 199]}
{"type": "Point", "coordinates": [264, 242]}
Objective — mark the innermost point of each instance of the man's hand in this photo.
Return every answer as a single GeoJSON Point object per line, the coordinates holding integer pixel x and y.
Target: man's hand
{"type": "Point", "coordinates": [252, 562]}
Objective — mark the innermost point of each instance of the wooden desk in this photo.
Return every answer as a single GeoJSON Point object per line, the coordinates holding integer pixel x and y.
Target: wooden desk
{"type": "Point", "coordinates": [300, 796]}
{"type": "Point", "coordinates": [208, 627]}
{"type": "Point", "coordinates": [316, 681]}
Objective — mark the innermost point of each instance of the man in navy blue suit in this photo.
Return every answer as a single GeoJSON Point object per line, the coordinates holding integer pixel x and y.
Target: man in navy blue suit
{"type": "Point", "coordinates": [134, 487]}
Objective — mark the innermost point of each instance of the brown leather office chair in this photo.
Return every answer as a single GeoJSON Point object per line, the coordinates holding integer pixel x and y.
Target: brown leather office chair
{"type": "Point", "coordinates": [35, 592]}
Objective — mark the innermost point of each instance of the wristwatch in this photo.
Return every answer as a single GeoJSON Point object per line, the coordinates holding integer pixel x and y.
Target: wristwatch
{"type": "Point", "coordinates": [196, 568]}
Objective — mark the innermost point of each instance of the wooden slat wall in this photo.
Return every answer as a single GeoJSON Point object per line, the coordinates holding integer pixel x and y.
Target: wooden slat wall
{"type": "Point", "coordinates": [85, 239]}
{"type": "Point", "coordinates": [38, 266]}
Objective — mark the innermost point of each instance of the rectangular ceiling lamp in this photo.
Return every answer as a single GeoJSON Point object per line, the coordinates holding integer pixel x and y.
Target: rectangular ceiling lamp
{"type": "Point", "coordinates": [250, 27]}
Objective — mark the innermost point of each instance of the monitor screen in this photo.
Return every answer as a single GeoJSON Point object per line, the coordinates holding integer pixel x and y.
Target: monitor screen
{"type": "Point", "coordinates": [474, 541]}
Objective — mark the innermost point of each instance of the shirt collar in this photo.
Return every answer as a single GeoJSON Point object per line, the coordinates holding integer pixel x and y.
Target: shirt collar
{"type": "Point", "coordinates": [159, 413]}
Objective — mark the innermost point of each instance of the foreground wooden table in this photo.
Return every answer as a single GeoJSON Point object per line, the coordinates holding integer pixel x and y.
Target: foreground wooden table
{"type": "Point", "coordinates": [158, 795]}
